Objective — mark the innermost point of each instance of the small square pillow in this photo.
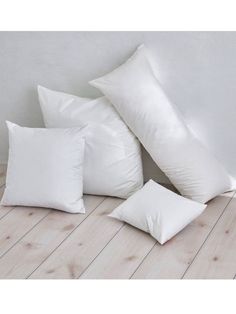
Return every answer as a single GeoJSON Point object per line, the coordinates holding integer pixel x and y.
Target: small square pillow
{"type": "Point", "coordinates": [112, 162]}
{"type": "Point", "coordinates": [158, 211]}
{"type": "Point", "coordinates": [140, 100]}
{"type": "Point", "coordinates": [45, 168]}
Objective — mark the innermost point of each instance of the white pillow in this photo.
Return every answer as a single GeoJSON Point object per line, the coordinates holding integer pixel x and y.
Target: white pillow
{"type": "Point", "coordinates": [45, 168]}
{"type": "Point", "coordinates": [158, 211]}
{"type": "Point", "coordinates": [113, 164]}
{"type": "Point", "coordinates": [141, 102]}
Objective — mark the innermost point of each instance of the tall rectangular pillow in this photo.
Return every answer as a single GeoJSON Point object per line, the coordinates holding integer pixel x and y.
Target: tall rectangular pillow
{"type": "Point", "coordinates": [138, 97]}
{"type": "Point", "coordinates": [112, 164]}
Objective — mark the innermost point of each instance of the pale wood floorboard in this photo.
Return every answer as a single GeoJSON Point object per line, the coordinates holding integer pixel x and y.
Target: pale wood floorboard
{"type": "Point", "coordinates": [217, 257]}
{"type": "Point", "coordinates": [84, 244]}
{"type": "Point", "coordinates": [121, 256]}
{"type": "Point", "coordinates": [40, 242]}
{"type": "Point", "coordinates": [47, 244]}
{"type": "Point", "coordinates": [17, 223]}
{"type": "Point", "coordinates": [171, 260]}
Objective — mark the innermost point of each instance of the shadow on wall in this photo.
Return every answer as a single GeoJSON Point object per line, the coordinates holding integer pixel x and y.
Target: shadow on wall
{"type": "Point", "coordinates": [150, 169]}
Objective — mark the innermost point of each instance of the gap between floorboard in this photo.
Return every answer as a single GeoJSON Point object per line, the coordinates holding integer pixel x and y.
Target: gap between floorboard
{"type": "Point", "coordinates": [66, 238]}
{"type": "Point", "coordinates": [182, 277]}
{"type": "Point", "coordinates": [122, 226]}
{"type": "Point", "coordinates": [25, 234]}
{"type": "Point", "coordinates": [74, 255]}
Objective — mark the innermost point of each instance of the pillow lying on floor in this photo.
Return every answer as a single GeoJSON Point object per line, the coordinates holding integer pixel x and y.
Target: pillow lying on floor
{"type": "Point", "coordinates": [136, 94]}
{"type": "Point", "coordinates": [158, 211]}
{"type": "Point", "coordinates": [112, 164]}
{"type": "Point", "coordinates": [45, 168]}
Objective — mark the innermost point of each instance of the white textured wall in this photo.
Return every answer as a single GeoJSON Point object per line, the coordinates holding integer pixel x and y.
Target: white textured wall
{"type": "Point", "coordinates": [197, 70]}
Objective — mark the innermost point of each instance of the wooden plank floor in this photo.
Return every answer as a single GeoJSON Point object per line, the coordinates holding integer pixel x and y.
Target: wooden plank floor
{"type": "Point", "coordinates": [38, 243]}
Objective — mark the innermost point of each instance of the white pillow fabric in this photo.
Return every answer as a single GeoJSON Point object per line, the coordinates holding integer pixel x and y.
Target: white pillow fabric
{"type": "Point", "coordinates": [136, 94]}
{"type": "Point", "coordinates": [158, 211]}
{"type": "Point", "coordinates": [113, 164]}
{"type": "Point", "coordinates": [45, 168]}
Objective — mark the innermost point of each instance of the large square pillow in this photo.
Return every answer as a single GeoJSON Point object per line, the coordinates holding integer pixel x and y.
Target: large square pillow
{"type": "Point", "coordinates": [45, 168]}
{"type": "Point", "coordinates": [158, 211]}
{"type": "Point", "coordinates": [113, 164]}
{"type": "Point", "coordinates": [138, 97]}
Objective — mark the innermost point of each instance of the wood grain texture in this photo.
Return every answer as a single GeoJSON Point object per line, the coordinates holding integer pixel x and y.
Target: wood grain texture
{"type": "Point", "coordinates": [48, 244]}
{"type": "Point", "coordinates": [17, 223]}
{"type": "Point", "coordinates": [40, 242]}
{"type": "Point", "coordinates": [121, 256]}
{"type": "Point", "coordinates": [171, 260]}
{"type": "Point", "coordinates": [217, 257]}
{"type": "Point", "coordinates": [83, 245]}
